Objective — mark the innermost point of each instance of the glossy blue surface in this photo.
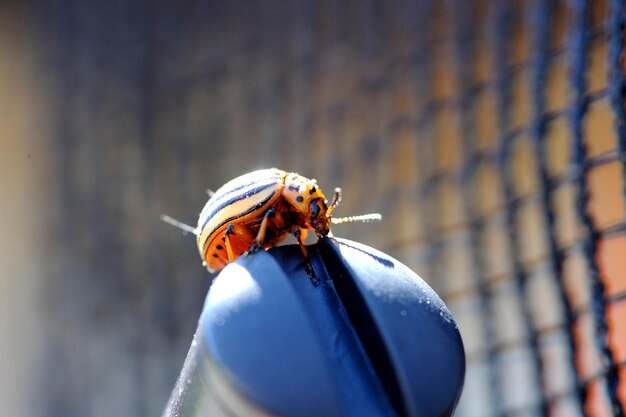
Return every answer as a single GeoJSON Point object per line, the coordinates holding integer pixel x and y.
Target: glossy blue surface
{"type": "Point", "coordinates": [371, 339]}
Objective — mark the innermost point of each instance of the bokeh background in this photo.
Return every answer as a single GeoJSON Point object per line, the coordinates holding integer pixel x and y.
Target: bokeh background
{"type": "Point", "coordinates": [491, 135]}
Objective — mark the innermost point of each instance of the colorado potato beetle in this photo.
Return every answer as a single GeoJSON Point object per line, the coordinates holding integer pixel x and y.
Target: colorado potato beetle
{"type": "Point", "coordinates": [258, 210]}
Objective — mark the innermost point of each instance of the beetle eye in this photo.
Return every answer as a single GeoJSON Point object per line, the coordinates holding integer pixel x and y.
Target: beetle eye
{"type": "Point", "coordinates": [315, 211]}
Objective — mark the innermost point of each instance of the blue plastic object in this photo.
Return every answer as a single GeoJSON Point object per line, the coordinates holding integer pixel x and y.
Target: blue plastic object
{"type": "Point", "coordinates": [366, 337]}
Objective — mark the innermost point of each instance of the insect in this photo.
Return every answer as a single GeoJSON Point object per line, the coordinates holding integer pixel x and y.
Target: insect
{"type": "Point", "coordinates": [258, 210]}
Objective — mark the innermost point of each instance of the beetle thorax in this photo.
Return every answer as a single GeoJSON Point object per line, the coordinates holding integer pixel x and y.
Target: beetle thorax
{"type": "Point", "coordinates": [308, 202]}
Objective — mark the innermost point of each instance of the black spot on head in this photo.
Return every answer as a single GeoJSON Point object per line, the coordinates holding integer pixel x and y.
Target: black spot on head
{"type": "Point", "coordinates": [312, 190]}
{"type": "Point", "coordinates": [300, 199]}
{"type": "Point", "coordinates": [219, 247]}
{"type": "Point", "coordinates": [215, 255]}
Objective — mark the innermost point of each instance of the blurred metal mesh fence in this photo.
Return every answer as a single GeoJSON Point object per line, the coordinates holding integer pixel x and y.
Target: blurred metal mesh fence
{"type": "Point", "coordinates": [491, 135]}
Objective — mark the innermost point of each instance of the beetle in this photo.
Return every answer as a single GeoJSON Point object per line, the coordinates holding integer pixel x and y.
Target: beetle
{"type": "Point", "coordinates": [258, 210]}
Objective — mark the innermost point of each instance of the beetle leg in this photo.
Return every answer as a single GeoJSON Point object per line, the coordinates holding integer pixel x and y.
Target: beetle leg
{"type": "Point", "coordinates": [297, 232]}
{"type": "Point", "coordinates": [237, 239]}
{"type": "Point", "coordinates": [229, 246]}
{"type": "Point", "coordinates": [259, 241]}
{"type": "Point", "coordinates": [278, 219]}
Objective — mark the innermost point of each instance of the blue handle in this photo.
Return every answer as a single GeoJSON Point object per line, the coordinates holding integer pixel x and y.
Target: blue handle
{"type": "Point", "coordinates": [370, 339]}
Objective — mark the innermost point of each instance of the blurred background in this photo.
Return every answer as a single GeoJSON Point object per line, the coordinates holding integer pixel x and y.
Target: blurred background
{"type": "Point", "coordinates": [491, 135]}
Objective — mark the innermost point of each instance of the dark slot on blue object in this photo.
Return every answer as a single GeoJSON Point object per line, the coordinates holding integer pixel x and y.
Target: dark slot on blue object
{"type": "Point", "coordinates": [372, 339]}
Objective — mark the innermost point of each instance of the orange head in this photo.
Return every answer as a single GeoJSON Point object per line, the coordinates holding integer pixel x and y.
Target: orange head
{"type": "Point", "coordinates": [308, 201]}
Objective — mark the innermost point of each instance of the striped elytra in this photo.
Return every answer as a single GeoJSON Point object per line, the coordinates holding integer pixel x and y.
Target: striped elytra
{"type": "Point", "coordinates": [258, 210]}
{"type": "Point", "coordinates": [243, 202]}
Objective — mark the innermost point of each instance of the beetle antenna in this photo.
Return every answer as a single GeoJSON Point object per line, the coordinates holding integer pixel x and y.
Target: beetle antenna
{"type": "Point", "coordinates": [182, 226]}
{"type": "Point", "coordinates": [365, 218]}
{"type": "Point", "coordinates": [335, 203]}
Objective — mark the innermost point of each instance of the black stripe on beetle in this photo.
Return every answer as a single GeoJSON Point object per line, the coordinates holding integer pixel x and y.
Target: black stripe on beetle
{"type": "Point", "coordinates": [230, 219]}
{"type": "Point", "coordinates": [234, 199]}
{"type": "Point", "coordinates": [237, 190]}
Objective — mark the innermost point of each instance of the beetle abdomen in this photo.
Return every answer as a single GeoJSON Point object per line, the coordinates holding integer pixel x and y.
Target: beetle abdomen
{"type": "Point", "coordinates": [244, 198]}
